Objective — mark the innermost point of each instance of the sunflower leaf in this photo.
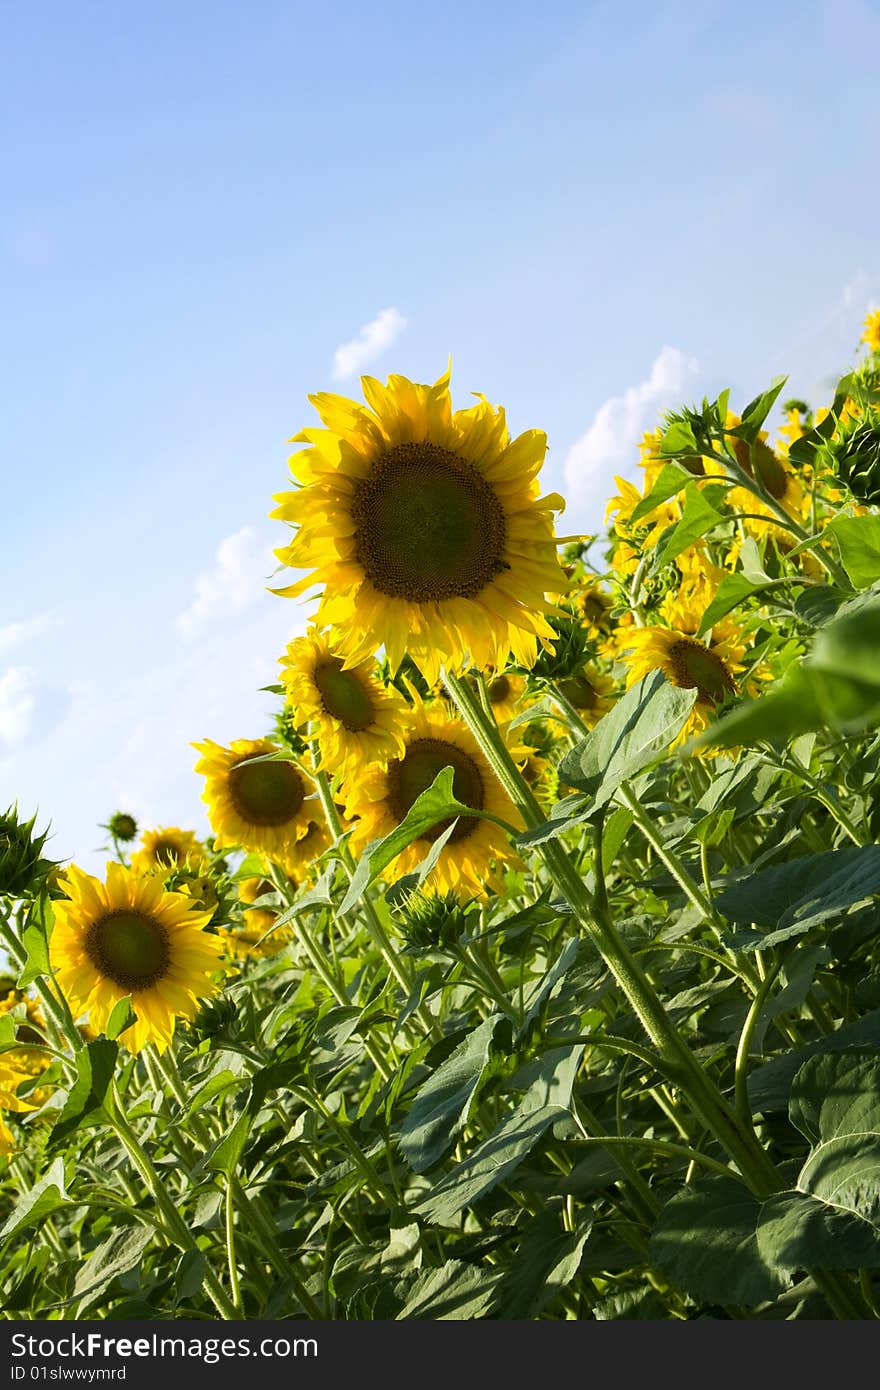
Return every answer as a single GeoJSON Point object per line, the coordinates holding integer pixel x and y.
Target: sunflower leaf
{"type": "Point", "coordinates": [698, 516]}
{"type": "Point", "coordinates": [670, 480]}
{"type": "Point", "coordinates": [437, 803]}
{"type": "Point", "coordinates": [637, 731]}
{"type": "Point", "coordinates": [95, 1065]}
{"type": "Point", "coordinates": [122, 1017]}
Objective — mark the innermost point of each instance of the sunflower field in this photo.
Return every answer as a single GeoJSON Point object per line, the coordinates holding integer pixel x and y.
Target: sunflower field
{"type": "Point", "coordinates": [531, 969]}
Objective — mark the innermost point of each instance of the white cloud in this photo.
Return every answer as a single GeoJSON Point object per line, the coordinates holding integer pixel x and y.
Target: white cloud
{"type": "Point", "coordinates": [244, 561]}
{"type": "Point", "coordinates": [609, 445]}
{"type": "Point", "coordinates": [13, 634]}
{"type": "Point", "coordinates": [16, 705]}
{"type": "Point", "coordinates": [372, 340]}
{"type": "Point", "coordinates": [125, 743]}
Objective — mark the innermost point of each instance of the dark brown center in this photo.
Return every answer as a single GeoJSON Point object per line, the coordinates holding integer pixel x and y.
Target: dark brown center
{"type": "Point", "coordinates": [266, 794]}
{"type": "Point", "coordinates": [695, 667]}
{"type": "Point", "coordinates": [130, 948]}
{"type": "Point", "coordinates": [343, 695]}
{"type": "Point", "coordinates": [429, 525]}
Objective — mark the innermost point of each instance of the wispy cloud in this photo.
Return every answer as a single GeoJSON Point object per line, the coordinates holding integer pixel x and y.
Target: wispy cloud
{"type": "Point", "coordinates": [16, 705]}
{"type": "Point", "coordinates": [243, 561]}
{"type": "Point", "coordinates": [14, 634]}
{"type": "Point", "coordinates": [372, 340]}
{"type": "Point", "coordinates": [609, 445]}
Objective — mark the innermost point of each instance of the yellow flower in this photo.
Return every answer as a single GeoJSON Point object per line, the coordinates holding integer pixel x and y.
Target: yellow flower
{"type": "Point", "coordinates": [167, 848]}
{"type": "Point", "coordinates": [425, 527]}
{"type": "Point", "coordinates": [129, 936]}
{"type": "Point", "coordinates": [871, 333]}
{"type": "Point", "coordinates": [381, 797]}
{"type": "Point", "coordinates": [595, 607]}
{"type": "Point", "coordinates": [353, 716]}
{"type": "Point", "coordinates": [258, 806]}
{"type": "Point", "coordinates": [691, 663]}
{"type": "Point", "coordinates": [654, 523]}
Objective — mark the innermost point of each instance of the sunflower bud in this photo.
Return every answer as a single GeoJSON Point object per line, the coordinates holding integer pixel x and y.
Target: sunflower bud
{"type": "Point", "coordinates": [122, 826]}
{"type": "Point", "coordinates": [569, 652]}
{"type": "Point", "coordinates": [432, 921]}
{"type": "Point", "coordinates": [854, 456]}
{"type": "Point", "coordinates": [216, 1016]}
{"type": "Point", "coordinates": [22, 867]}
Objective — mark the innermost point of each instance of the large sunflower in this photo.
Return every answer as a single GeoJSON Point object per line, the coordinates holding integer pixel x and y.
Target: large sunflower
{"type": "Point", "coordinates": [259, 806]}
{"type": "Point", "coordinates": [381, 796]}
{"type": "Point", "coordinates": [425, 527]}
{"type": "Point", "coordinates": [352, 714]}
{"type": "Point", "coordinates": [129, 936]}
{"type": "Point", "coordinates": [167, 848]}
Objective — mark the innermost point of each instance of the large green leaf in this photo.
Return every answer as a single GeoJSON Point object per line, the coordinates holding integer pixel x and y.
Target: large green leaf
{"type": "Point", "coordinates": [803, 1229]}
{"type": "Point", "coordinates": [631, 736]}
{"type": "Point", "coordinates": [756, 412]}
{"type": "Point", "coordinates": [770, 1085]}
{"type": "Point", "coordinates": [95, 1065]}
{"type": "Point", "coordinates": [705, 1240]}
{"type": "Point", "coordinates": [455, 1291]}
{"type": "Point", "coordinates": [790, 898]}
{"type": "Point", "coordinates": [119, 1253]}
{"type": "Point", "coordinates": [442, 1105]}
{"type": "Point", "coordinates": [33, 1206]}
{"type": "Point", "coordinates": [858, 539]}
{"type": "Point", "coordinates": [837, 1093]}
{"type": "Point", "coordinates": [546, 1100]}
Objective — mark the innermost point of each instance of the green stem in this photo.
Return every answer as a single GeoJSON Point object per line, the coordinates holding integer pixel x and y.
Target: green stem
{"type": "Point", "coordinates": [171, 1217]}
{"type": "Point", "coordinates": [740, 1069]}
{"type": "Point", "coordinates": [234, 1287]}
{"type": "Point", "coordinates": [705, 1098]}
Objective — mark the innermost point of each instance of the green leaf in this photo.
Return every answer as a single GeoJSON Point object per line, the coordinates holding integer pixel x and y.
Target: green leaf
{"type": "Point", "coordinates": [95, 1065]}
{"type": "Point", "coordinates": [119, 1253]}
{"type": "Point", "coordinates": [731, 592]}
{"type": "Point", "coordinates": [858, 539]}
{"type": "Point", "coordinates": [546, 1262]}
{"type": "Point", "coordinates": [455, 1291]}
{"type": "Point", "coordinates": [631, 736]}
{"type": "Point", "coordinates": [437, 803]}
{"type": "Point", "coordinates": [443, 1104]}
{"type": "Point", "coordinates": [670, 480]}
{"type": "Point", "coordinates": [770, 1085]}
{"type": "Point", "coordinates": [7, 1032]}
{"type": "Point", "coordinates": [565, 815]}
{"type": "Point", "coordinates": [800, 1229]}
{"type": "Point", "coordinates": [121, 1017]}
{"type": "Point", "coordinates": [705, 1240]}
{"type": "Point", "coordinates": [756, 412]}
{"type": "Point", "coordinates": [678, 438]}
{"type": "Point", "coordinates": [851, 643]}
{"type": "Point", "coordinates": [35, 940]}
{"type": "Point", "coordinates": [837, 1093]}
{"type": "Point", "coordinates": [44, 1197]}
{"type": "Point", "coordinates": [546, 1100]}
{"type": "Point", "coordinates": [802, 450]}
{"type": "Point", "coordinates": [797, 895]}
{"type": "Point", "coordinates": [698, 517]}
{"type": "Point", "coordinates": [819, 603]}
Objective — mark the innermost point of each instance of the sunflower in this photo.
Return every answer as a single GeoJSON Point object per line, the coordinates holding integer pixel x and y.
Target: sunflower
{"type": "Point", "coordinates": [129, 936]}
{"type": "Point", "coordinates": [871, 333]}
{"type": "Point", "coordinates": [167, 848]}
{"type": "Point", "coordinates": [709, 666]}
{"type": "Point", "coordinates": [381, 797]}
{"type": "Point", "coordinates": [425, 527]}
{"type": "Point", "coordinates": [259, 806]}
{"type": "Point", "coordinates": [352, 714]}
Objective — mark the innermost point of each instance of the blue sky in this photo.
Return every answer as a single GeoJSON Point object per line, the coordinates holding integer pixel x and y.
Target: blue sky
{"type": "Point", "coordinates": [596, 209]}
